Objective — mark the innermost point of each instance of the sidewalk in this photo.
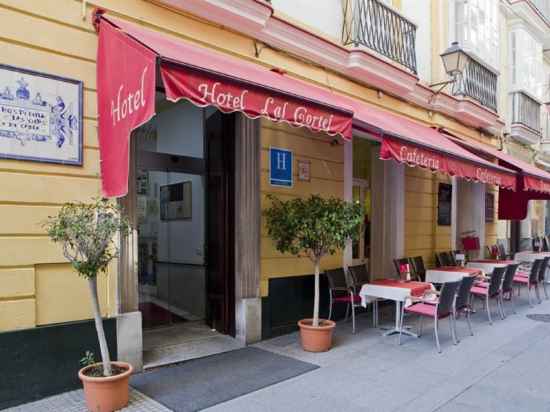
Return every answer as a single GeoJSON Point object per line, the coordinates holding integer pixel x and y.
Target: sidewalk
{"type": "Point", "coordinates": [503, 367]}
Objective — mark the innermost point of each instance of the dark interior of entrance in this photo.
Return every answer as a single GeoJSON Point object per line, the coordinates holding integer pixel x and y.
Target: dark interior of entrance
{"type": "Point", "coordinates": [184, 175]}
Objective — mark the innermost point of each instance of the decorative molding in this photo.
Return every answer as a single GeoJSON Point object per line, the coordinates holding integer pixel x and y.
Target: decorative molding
{"type": "Point", "coordinates": [524, 134]}
{"type": "Point", "coordinates": [257, 20]}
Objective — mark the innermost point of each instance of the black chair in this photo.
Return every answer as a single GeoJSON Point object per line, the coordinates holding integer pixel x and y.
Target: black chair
{"type": "Point", "coordinates": [545, 245]}
{"type": "Point", "coordinates": [359, 275]}
{"type": "Point", "coordinates": [507, 292]}
{"type": "Point", "coordinates": [491, 291]}
{"type": "Point", "coordinates": [542, 276]}
{"type": "Point", "coordinates": [419, 268]}
{"type": "Point", "coordinates": [531, 280]}
{"type": "Point", "coordinates": [452, 258]}
{"type": "Point", "coordinates": [443, 308]}
{"type": "Point", "coordinates": [463, 305]}
{"type": "Point", "coordinates": [340, 292]}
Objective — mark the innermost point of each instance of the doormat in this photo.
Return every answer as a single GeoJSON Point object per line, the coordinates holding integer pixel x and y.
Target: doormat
{"type": "Point", "coordinates": [540, 317]}
{"type": "Point", "coordinates": [200, 383]}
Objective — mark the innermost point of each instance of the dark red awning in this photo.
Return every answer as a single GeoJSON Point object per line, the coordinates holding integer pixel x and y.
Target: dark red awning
{"type": "Point", "coordinates": [127, 56]}
{"type": "Point", "coordinates": [533, 183]}
{"type": "Point", "coordinates": [415, 144]}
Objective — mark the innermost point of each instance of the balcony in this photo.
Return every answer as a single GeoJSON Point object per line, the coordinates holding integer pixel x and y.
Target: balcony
{"type": "Point", "coordinates": [376, 26]}
{"type": "Point", "coordinates": [478, 83]}
{"type": "Point", "coordinates": [525, 119]}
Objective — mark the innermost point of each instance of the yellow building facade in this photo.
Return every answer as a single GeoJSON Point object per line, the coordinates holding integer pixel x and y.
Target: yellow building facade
{"type": "Point", "coordinates": [38, 288]}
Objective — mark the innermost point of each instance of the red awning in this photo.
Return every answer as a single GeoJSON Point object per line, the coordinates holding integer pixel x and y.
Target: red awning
{"type": "Point", "coordinates": [414, 144]}
{"type": "Point", "coordinates": [126, 79]}
{"type": "Point", "coordinates": [533, 183]}
{"type": "Point", "coordinates": [534, 179]}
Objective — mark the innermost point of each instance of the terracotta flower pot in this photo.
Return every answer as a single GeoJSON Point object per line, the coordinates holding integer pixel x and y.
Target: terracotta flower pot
{"type": "Point", "coordinates": [106, 394]}
{"type": "Point", "coordinates": [316, 338]}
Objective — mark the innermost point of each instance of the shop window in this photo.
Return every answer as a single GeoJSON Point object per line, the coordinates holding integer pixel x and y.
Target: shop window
{"type": "Point", "coordinates": [362, 195]}
{"type": "Point", "coordinates": [444, 204]}
{"type": "Point", "coordinates": [489, 207]}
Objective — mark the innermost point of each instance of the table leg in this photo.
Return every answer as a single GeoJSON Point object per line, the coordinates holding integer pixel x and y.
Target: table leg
{"type": "Point", "coordinates": [397, 328]}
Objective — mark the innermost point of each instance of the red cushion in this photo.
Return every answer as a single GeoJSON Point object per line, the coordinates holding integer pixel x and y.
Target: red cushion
{"type": "Point", "coordinates": [347, 299]}
{"type": "Point", "coordinates": [481, 284]}
{"type": "Point", "coordinates": [422, 309]}
{"type": "Point", "coordinates": [521, 279]}
{"type": "Point", "coordinates": [523, 274]}
{"type": "Point", "coordinates": [476, 290]}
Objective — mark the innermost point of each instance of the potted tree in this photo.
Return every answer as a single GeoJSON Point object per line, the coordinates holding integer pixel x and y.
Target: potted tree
{"type": "Point", "coordinates": [87, 234]}
{"type": "Point", "coordinates": [313, 227]}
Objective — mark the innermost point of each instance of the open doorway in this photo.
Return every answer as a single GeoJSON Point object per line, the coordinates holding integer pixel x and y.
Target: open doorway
{"type": "Point", "coordinates": [184, 187]}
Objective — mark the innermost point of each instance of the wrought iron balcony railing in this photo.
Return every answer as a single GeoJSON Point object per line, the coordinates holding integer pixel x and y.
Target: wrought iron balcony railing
{"type": "Point", "coordinates": [372, 24]}
{"type": "Point", "coordinates": [526, 111]}
{"type": "Point", "coordinates": [479, 83]}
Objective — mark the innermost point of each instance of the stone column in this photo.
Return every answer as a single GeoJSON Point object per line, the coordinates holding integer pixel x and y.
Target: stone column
{"type": "Point", "coordinates": [248, 303]}
{"type": "Point", "coordinates": [388, 215]}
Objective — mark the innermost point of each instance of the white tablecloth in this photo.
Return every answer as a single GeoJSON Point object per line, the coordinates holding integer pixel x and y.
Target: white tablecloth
{"type": "Point", "coordinates": [529, 256]}
{"type": "Point", "coordinates": [486, 267]}
{"type": "Point", "coordinates": [370, 292]}
{"type": "Point", "coordinates": [442, 276]}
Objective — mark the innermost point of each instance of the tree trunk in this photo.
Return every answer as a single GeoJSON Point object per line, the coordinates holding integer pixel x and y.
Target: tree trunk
{"type": "Point", "coordinates": [105, 358]}
{"type": "Point", "coordinates": [316, 298]}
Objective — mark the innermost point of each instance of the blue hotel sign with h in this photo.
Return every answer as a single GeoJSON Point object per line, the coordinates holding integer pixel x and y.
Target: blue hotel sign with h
{"type": "Point", "coordinates": [280, 170]}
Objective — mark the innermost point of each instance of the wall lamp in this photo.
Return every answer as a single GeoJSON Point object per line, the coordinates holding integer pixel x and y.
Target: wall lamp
{"type": "Point", "coordinates": [455, 61]}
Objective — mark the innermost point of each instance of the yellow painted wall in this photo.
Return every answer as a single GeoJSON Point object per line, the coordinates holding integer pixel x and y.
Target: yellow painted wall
{"type": "Point", "coordinates": [327, 179]}
{"type": "Point", "coordinates": [37, 286]}
{"type": "Point", "coordinates": [423, 236]}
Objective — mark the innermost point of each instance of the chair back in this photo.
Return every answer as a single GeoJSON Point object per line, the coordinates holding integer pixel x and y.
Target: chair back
{"type": "Point", "coordinates": [452, 258]}
{"type": "Point", "coordinates": [419, 267]}
{"type": "Point", "coordinates": [447, 297]}
{"type": "Point", "coordinates": [438, 261]}
{"type": "Point", "coordinates": [501, 251]}
{"type": "Point", "coordinates": [507, 282]}
{"type": "Point", "coordinates": [496, 281]}
{"type": "Point", "coordinates": [535, 269]}
{"type": "Point", "coordinates": [463, 294]}
{"type": "Point", "coordinates": [542, 269]}
{"type": "Point", "coordinates": [336, 279]}
{"type": "Point", "coordinates": [359, 274]}
{"type": "Point", "coordinates": [545, 246]}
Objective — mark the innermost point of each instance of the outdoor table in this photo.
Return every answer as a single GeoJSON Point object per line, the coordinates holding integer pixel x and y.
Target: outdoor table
{"type": "Point", "coordinates": [396, 290]}
{"type": "Point", "coordinates": [489, 265]}
{"type": "Point", "coordinates": [530, 256]}
{"type": "Point", "coordinates": [450, 274]}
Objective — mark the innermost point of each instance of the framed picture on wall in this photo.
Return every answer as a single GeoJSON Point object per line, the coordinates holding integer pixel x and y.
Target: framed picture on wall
{"type": "Point", "coordinates": [40, 117]}
{"type": "Point", "coordinates": [175, 201]}
{"type": "Point", "coordinates": [489, 207]}
{"type": "Point", "coordinates": [444, 204]}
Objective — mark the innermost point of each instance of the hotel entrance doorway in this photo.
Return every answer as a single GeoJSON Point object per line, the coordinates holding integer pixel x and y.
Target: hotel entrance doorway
{"type": "Point", "coordinates": [184, 176]}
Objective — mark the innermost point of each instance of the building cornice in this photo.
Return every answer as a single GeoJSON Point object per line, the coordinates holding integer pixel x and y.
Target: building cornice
{"type": "Point", "coordinates": [258, 20]}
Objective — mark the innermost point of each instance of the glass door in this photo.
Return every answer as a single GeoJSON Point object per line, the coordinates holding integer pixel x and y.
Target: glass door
{"type": "Point", "coordinates": [361, 246]}
{"type": "Point", "coordinates": [171, 231]}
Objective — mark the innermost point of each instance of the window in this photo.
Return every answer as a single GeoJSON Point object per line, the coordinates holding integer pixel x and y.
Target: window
{"type": "Point", "coordinates": [526, 62]}
{"type": "Point", "coordinates": [477, 28]}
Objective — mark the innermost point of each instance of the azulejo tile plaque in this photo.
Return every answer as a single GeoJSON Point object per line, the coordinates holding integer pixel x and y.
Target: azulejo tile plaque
{"type": "Point", "coordinates": [40, 117]}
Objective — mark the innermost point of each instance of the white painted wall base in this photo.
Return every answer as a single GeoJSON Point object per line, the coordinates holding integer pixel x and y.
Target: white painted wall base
{"type": "Point", "coordinates": [248, 320]}
{"type": "Point", "coordinates": [130, 339]}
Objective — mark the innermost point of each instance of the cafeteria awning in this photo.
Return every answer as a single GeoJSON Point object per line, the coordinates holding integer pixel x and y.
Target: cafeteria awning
{"type": "Point", "coordinates": [533, 183]}
{"type": "Point", "coordinates": [127, 60]}
{"type": "Point", "coordinates": [415, 144]}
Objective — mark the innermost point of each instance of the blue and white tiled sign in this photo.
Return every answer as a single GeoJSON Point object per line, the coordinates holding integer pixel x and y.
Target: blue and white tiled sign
{"type": "Point", "coordinates": [280, 170]}
{"type": "Point", "coordinates": [40, 117]}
